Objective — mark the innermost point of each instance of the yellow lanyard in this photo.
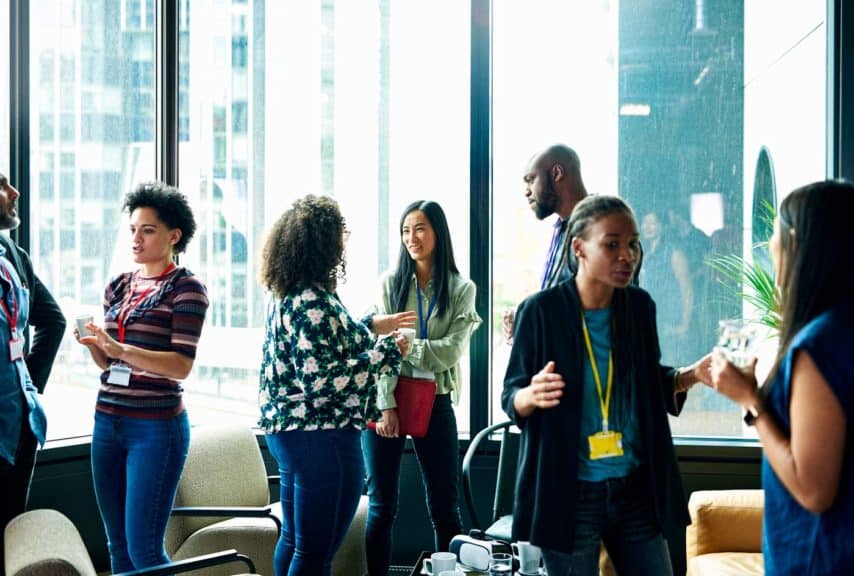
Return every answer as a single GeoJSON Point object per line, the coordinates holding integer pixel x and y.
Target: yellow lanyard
{"type": "Point", "coordinates": [603, 404]}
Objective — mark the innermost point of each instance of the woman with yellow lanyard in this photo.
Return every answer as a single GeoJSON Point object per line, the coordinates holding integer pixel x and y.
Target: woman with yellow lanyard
{"type": "Point", "coordinates": [585, 386]}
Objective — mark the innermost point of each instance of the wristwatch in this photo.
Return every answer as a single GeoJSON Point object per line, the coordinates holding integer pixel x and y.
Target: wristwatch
{"type": "Point", "coordinates": [753, 412]}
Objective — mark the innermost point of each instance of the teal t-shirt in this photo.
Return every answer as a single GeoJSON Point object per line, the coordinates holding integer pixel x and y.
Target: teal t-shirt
{"type": "Point", "coordinates": [622, 415]}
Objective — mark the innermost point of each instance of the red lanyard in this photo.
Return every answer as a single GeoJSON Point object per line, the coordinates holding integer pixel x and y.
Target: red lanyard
{"type": "Point", "coordinates": [129, 305]}
{"type": "Point", "coordinates": [12, 317]}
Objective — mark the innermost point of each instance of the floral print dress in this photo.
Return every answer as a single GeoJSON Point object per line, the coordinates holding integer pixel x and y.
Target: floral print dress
{"type": "Point", "coordinates": [320, 366]}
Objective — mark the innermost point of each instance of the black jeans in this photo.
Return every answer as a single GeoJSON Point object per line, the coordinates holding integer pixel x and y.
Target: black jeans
{"type": "Point", "coordinates": [15, 481]}
{"type": "Point", "coordinates": [438, 456]}
{"type": "Point", "coordinates": [618, 512]}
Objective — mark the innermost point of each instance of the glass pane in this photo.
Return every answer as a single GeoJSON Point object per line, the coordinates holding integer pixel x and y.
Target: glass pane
{"type": "Point", "coordinates": [668, 108]}
{"type": "Point", "coordinates": [339, 99]}
{"type": "Point", "coordinates": [91, 137]}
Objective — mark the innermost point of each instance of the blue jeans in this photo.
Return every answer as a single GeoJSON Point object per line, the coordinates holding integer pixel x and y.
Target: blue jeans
{"type": "Point", "coordinates": [438, 456]}
{"type": "Point", "coordinates": [617, 512]}
{"type": "Point", "coordinates": [322, 477]}
{"type": "Point", "coordinates": [136, 465]}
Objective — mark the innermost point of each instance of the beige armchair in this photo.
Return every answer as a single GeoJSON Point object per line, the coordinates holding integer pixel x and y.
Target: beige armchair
{"type": "Point", "coordinates": [46, 543]}
{"type": "Point", "coordinates": [223, 501]}
{"type": "Point", "coordinates": [725, 535]}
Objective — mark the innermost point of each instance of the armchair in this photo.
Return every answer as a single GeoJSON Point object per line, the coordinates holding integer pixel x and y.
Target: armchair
{"type": "Point", "coordinates": [46, 543]}
{"type": "Point", "coordinates": [223, 501]}
{"type": "Point", "coordinates": [725, 535]}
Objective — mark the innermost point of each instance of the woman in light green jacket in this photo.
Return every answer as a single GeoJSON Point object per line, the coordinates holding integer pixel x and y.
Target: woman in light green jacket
{"type": "Point", "coordinates": [425, 291]}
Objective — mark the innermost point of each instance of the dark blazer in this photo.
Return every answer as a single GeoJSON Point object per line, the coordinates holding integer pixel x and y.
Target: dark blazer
{"type": "Point", "coordinates": [45, 316]}
{"type": "Point", "coordinates": [548, 328]}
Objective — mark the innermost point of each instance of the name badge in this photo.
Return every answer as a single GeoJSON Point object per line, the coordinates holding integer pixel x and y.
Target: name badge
{"type": "Point", "coordinates": [605, 445]}
{"type": "Point", "coordinates": [16, 348]}
{"type": "Point", "coordinates": [119, 375]}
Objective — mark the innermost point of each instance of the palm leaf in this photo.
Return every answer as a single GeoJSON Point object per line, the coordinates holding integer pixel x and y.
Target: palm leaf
{"type": "Point", "coordinates": [752, 283]}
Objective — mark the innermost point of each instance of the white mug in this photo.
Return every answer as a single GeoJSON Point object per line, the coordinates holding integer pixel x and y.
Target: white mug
{"type": "Point", "coordinates": [529, 557]}
{"type": "Point", "coordinates": [439, 562]}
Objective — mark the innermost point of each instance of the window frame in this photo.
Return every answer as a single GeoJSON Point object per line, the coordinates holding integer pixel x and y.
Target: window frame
{"type": "Point", "coordinates": [839, 129]}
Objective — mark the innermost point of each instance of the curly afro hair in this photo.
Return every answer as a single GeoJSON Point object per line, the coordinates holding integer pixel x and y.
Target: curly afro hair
{"type": "Point", "coordinates": [171, 206]}
{"type": "Point", "coordinates": [305, 247]}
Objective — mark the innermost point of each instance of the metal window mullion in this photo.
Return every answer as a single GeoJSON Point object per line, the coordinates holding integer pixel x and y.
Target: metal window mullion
{"type": "Point", "coordinates": [480, 176]}
{"type": "Point", "coordinates": [19, 112]}
{"type": "Point", "coordinates": [166, 90]}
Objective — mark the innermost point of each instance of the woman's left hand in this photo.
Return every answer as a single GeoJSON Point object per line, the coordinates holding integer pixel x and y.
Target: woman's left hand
{"type": "Point", "coordinates": [103, 341]}
{"type": "Point", "coordinates": [386, 323]}
{"type": "Point", "coordinates": [739, 385]}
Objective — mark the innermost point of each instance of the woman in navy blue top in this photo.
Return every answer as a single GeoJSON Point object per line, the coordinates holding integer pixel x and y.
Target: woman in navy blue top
{"type": "Point", "coordinates": [801, 413]}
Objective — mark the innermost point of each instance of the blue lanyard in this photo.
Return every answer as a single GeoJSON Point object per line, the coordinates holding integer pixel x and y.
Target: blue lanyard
{"type": "Point", "coordinates": [422, 320]}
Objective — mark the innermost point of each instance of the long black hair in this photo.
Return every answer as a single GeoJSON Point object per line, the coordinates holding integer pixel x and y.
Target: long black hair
{"type": "Point", "coordinates": [817, 275]}
{"type": "Point", "coordinates": [444, 264]}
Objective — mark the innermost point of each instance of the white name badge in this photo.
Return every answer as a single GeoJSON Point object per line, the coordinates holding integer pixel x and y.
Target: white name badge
{"type": "Point", "coordinates": [425, 374]}
{"type": "Point", "coordinates": [16, 349]}
{"type": "Point", "coordinates": [119, 375]}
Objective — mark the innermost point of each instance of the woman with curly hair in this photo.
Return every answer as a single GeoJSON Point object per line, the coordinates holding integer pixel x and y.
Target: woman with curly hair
{"type": "Point", "coordinates": [318, 383]}
{"type": "Point", "coordinates": [153, 318]}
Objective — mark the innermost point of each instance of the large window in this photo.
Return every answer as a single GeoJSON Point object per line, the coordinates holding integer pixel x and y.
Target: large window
{"type": "Point", "coordinates": [668, 105]}
{"type": "Point", "coordinates": [340, 98]}
{"type": "Point", "coordinates": [91, 140]}
{"type": "Point", "coordinates": [336, 98]}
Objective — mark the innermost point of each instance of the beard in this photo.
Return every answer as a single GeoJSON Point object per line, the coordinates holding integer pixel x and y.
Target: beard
{"type": "Point", "coordinates": [546, 204]}
{"type": "Point", "coordinates": [9, 221]}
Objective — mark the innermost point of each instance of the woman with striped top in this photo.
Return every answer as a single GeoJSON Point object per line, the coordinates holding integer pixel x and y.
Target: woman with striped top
{"type": "Point", "coordinates": [153, 318]}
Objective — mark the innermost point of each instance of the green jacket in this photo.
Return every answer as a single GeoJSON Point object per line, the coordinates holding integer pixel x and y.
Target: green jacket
{"type": "Point", "coordinates": [447, 338]}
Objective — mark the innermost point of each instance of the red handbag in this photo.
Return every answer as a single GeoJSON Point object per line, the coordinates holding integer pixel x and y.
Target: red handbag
{"type": "Point", "coordinates": [414, 397]}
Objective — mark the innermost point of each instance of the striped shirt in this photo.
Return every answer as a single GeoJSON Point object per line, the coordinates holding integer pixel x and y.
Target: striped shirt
{"type": "Point", "coordinates": [168, 319]}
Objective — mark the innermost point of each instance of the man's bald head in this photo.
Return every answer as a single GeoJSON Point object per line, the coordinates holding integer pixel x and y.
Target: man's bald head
{"type": "Point", "coordinates": [553, 181]}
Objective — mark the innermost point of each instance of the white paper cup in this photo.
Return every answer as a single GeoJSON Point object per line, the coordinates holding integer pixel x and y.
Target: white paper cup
{"type": "Point", "coordinates": [409, 333]}
{"type": "Point", "coordinates": [81, 322]}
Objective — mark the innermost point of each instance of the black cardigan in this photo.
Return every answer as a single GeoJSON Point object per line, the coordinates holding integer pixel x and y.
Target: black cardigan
{"type": "Point", "coordinates": [45, 317]}
{"type": "Point", "coordinates": [547, 328]}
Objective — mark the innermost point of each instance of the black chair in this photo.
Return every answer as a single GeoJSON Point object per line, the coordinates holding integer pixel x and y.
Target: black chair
{"type": "Point", "coordinates": [505, 484]}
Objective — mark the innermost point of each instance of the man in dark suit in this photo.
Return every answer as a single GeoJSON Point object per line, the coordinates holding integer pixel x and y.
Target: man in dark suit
{"type": "Point", "coordinates": [24, 364]}
{"type": "Point", "coordinates": [553, 185]}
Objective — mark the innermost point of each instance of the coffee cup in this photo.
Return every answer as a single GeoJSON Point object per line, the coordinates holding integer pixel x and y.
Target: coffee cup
{"type": "Point", "coordinates": [452, 573]}
{"type": "Point", "coordinates": [81, 322]}
{"type": "Point", "coordinates": [529, 557]}
{"type": "Point", "coordinates": [409, 333]}
{"type": "Point", "coordinates": [439, 562]}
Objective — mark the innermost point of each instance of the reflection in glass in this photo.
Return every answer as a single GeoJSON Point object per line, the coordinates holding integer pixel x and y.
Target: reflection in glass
{"type": "Point", "coordinates": [660, 101]}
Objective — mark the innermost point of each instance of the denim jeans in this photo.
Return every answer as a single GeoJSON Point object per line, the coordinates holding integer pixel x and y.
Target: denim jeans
{"type": "Point", "coordinates": [438, 456]}
{"type": "Point", "coordinates": [136, 465]}
{"type": "Point", "coordinates": [322, 477]}
{"type": "Point", "coordinates": [617, 512]}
